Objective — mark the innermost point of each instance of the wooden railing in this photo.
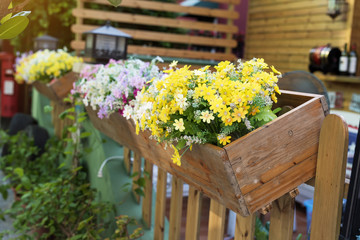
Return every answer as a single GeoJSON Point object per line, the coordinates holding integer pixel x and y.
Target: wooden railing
{"type": "Point", "coordinates": [329, 192]}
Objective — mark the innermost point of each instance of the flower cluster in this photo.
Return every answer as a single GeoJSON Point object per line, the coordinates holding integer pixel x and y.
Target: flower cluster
{"type": "Point", "coordinates": [112, 86]}
{"type": "Point", "coordinates": [44, 65]}
{"type": "Point", "coordinates": [202, 106]}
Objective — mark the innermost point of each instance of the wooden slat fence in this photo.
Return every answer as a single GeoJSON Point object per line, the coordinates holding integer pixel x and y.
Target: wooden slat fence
{"type": "Point", "coordinates": [153, 31]}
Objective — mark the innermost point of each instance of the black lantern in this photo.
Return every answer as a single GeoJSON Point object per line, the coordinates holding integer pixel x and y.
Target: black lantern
{"type": "Point", "coordinates": [105, 43]}
{"type": "Point", "coordinates": [45, 42]}
{"type": "Point", "coordinates": [336, 7]}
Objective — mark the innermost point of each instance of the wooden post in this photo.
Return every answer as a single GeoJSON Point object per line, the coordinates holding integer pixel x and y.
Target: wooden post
{"type": "Point", "coordinates": [136, 169]}
{"type": "Point", "coordinates": [160, 205]}
{"type": "Point", "coordinates": [147, 199]}
{"type": "Point", "coordinates": [245, 227]}
{"type": "Point", "coordinates": [216, 220]}
{"type": "Point", "coordinates": [176, 208]}
{"type": "Point", "coordinates": [193, 214]}
{"type": "Point", "coordinates": [330, 178]}
{"type": "Point", "coordinates": [282, 218]}
{"type": "Point", "coordinates": [127, 159]}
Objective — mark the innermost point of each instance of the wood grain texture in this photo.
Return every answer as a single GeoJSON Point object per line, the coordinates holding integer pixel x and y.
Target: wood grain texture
{"type": "Point", "coordinates": [282, 218]}
{"type": "Point", "coordinates": [167, 37]}
{"type": "Point", "coordinates": [57, 89]}
{"type": "Point", "coordinates": [205, 167]}
{"type": "Point", "coordinates": [176, 208]}
{"type": "Point", "coordinates": [296, 21]}
{"type": "Point", "coordinates": [216, 220]}
{"type": "Point", "coordinates": [330, 178]}
{"type": "Point", "coordinates": [245, 227]}
{"type": "Point", "coordinates": [147, 199]}
{"type": "Point", "coordinates": [159, 226]}
{"type": "Point", "coordinates": [149, 20]}
{"type": "Point", "coordinates": [193, 214]}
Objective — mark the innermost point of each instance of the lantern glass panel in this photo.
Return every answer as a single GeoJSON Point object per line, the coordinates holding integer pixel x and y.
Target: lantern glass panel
{"type": "Point", "coordinates": [89, 41]}
{"type": "Point", "coordinates": [107, 43]}
{"type": "Point", "coordinates": [121, 44]}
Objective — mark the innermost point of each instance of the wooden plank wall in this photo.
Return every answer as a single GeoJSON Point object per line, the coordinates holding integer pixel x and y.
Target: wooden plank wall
{"type": "Point", "coordinates": [137, 25]}
{"type": "Point", "coordinates": [283, 31]}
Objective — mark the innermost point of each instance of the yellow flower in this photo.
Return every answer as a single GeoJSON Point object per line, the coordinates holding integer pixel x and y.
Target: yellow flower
{"type": "Point", "coordinates": [224, 113]}
{"type": "Point", "coordinates": [206, 116]}
{"type": "Point", "coordinates": [254, 110]}
{"type": "Point", "coordinates": [216, 104]}
{"type": "Point", "coordinates": [239, 114]}
{"type": "Point", "coordinates": [176, 156]}
{"type": "Point", "coordinates": [274, 70]}
{"type": "Point", "coordinates": [223, 139]}
{"type": "Point", "coordinates": [179, 125]}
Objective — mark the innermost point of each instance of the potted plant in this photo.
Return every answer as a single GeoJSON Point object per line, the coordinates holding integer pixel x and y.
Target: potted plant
{"type": "Point", "coordinates": [49, 71]}
{"type": "Point", "coordinates": [182, 109]}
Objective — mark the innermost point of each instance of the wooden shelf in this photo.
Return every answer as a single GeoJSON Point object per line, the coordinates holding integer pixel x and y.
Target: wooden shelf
{"type": "Point", "coordinates": [338, 79]}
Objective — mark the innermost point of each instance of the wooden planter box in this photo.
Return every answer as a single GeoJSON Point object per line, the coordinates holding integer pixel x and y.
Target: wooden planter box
{"type": "Point", "coordinates": [248, 173]}
{"type": "Point", "coordinates": [59, 88]}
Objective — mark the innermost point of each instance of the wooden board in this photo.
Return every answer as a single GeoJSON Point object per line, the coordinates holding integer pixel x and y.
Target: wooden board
{"type": "Point", "coordinates": [245, 227]}
{"type": "Point", "coordinates": [216, 220]}
{"type": "Point", "coordinates": [330, 178]}
{"type": "Point", "coordinates": [147, 199]}
{"type": "Point", "coordinates": [249, 172]}
{"type": "Point", "coordinates": [160, 205]}
{"type": "Point", "coordinates": [176, 208]}
{"type": "Point", "coordinates": [193, 214]}
{"type": "Point", "coordinates": [57, 89]}
{"type": "Point", "coordinates": [282, 218]}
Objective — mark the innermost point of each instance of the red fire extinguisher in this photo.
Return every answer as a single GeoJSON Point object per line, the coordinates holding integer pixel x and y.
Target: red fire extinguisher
{"type": "Point", "coordinates": [9, 88]}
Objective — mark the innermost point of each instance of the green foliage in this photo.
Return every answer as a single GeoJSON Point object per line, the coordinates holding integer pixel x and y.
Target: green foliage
{"type": "Point", "coordinates": [54, 197]}
{"type": "Point", "coordinates": [12, 25]}
{"type": "Point", "coordinates": [261, 231]}
{"type": "Point", "coordinates": [47, 17]}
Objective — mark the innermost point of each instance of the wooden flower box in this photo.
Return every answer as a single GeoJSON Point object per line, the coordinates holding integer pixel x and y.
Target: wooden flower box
{"type": "Point", "coordinates": [250, 172]}
{"type": "Point", "coordinates": [57, 89]}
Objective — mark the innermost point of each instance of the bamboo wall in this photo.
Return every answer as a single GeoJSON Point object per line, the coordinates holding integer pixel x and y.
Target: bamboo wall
{"type": "Point", "coordinates": [283, 31]}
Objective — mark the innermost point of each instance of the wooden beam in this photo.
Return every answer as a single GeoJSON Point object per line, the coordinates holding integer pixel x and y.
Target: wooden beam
{"type": "Point", "coordinates": [330, 178]}
{"type": "Point", "coordinates": [245, 227]}
{"type": "Point", "coordinates": [193, 214]}
{"type": "Point", "coordinates": [282, 218]}
{"type": "Point", "coordinates": [176, 208]}
{"type": "Point", "coordinates": [150, 20]}
{"type": "Point", "coordinates": [160, 205]}
{"type": "Point", "coordinates": [165, 37]}
{"type": "Point", "coordinates": [216, 220]}
{"type": "Point", "coordinates": [147, 199]}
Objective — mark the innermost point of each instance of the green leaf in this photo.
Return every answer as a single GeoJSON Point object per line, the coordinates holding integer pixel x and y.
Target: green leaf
{"type": "Point", "coordinates": [115, 3]}
{"type": "Point", "coordinates": [19, 172]}
{"type": "Point", "coordinates": [13, 27]}
{"type": "Point", "coordinates": [70, 117]}
{"type": "Point", "coordinates": [85, 134]}
{"type": "Point", "coordinates": [7, 17]}
{"type": "Point", "coordinates": [48, 109]}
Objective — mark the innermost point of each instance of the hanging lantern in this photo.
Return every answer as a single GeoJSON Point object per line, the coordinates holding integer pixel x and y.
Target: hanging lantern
{"type": "Point", "coordinates": [105, 43]}
{"type": "Point", "coordinates": [45, 42]}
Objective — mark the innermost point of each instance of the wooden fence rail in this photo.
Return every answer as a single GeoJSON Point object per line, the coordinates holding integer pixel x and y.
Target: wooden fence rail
{"type": "Point", "coordinates": [329, 189]}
